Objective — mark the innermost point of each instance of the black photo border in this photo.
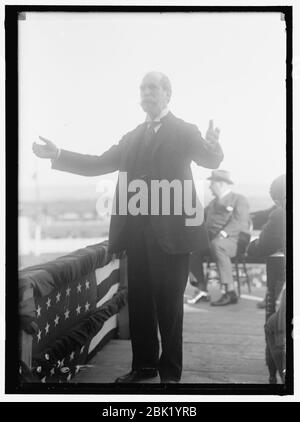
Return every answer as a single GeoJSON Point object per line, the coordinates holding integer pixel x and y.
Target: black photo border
{"type": "Point", "coordinates": [12, 386]}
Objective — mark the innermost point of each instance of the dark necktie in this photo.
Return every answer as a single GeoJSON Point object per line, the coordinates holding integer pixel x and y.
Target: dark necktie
{"type": "Point", "coordinates": [150, 132]}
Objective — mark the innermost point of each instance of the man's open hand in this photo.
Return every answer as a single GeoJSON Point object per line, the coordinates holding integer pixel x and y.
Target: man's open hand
{"type": "Point", "coordinates": [212, 135]}
{"type": "Point", "coordinates": [49, 150]}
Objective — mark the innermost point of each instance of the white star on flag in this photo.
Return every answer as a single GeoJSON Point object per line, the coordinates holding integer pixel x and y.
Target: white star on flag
{"type": "Point", "coordinates": [39, 335]}
{"type": "Point", "coordinates": [68, 291]}
{"type": "Point", "coordinates": [38, 311]}
{"type": "Point", "coordinates": [52, 372]}
{"type": "Point", "coordinates": [56, 320]}
{"type": "Point", "coordinates": [72, 356]}
{"type": "Point", "coordinates": [82, 349]}
{"type": "Point", "coordinates": [78, 309]}
{"type": "Point", "coordinates": [87, 306]}
{"type": "Point", "coordinates": [67, 314]}
{"type": "Point", "coordinates": [48, 303]}
{"type": "Point", "coordinates": [47, 328]}
{"type": "Point", "coordinates": [87, 284]}
{"type": "Point", "coordinates": [58, 297]}
{"type": "Point", "coordinates": [69, 377]}
{"type": "Point", "coordinates": [79, 288]}
{"type": "Point", "coordinates": [43, 379]}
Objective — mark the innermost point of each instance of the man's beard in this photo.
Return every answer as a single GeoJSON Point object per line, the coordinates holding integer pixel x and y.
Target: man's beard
{"type": "Point", "coordinates": [149, 106]}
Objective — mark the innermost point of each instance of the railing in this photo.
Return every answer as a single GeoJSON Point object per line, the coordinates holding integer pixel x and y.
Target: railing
{"type": "Point", "coordinates": [69, 308]}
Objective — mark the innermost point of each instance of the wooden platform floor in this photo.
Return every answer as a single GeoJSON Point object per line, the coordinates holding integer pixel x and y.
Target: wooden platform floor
{"type": "Point", "coordinates": [221, 345]}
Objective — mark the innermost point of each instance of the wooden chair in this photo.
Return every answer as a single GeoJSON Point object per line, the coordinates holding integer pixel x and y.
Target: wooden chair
{"type": "Point", "coordinates": [239, 262]}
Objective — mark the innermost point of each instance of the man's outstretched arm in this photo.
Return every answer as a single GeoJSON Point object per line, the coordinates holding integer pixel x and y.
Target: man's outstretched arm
{"type": "Point", "coordinates": [82, 164]}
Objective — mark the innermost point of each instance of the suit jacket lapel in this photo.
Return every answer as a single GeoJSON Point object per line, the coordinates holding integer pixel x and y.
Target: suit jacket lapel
{"type": "Point", "coordinates": [163, 134]}
{"type": "Point", "coordinates": [228, 201]}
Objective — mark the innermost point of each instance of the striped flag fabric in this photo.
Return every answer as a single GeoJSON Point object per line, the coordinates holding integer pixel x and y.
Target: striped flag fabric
{"type": "Point", "coordinates": [71, 311]}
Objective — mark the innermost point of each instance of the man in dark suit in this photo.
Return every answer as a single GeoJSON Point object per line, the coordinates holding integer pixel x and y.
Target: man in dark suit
{"type": "Point", "coordinates": [158, 244]}
{"type": "Point", "coordinates": [272, 237]}
{"type": "Point", "coordinates": [226, 217]}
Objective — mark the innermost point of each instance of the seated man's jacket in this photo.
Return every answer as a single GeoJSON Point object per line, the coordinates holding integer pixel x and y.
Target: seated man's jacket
{"type": "Point", "coordinates": [230, 214]}
{"type": "Point", "coordinates": [175, 145]}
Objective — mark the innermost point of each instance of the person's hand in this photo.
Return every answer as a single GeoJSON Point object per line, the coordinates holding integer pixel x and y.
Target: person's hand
{"type": "Point", "coordinates": [212, 135]}
{"type": "Point", "coordinates": [49, 150]}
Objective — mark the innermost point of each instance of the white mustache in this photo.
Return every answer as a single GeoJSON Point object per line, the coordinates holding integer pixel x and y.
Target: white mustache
{"type": "Point", "coordinates": [148, 100]}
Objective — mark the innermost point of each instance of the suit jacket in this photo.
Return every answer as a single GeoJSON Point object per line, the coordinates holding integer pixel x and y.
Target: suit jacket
{"type": "Point", "coordinates": [260, 218]}
{"type": "Point", "coordinates": [272, 237]}
{"type": "Point", "coordinates": [175, 145]}
{"type": "Point", "coordinates": [229, 213]}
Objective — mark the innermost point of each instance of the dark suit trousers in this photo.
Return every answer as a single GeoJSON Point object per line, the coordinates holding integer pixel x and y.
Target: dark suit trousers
{"type": "Point", "coordinates": [156, 285]}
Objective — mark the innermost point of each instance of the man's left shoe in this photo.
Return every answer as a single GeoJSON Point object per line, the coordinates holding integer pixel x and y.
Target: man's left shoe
{"type": "Point", "coordinates": [228, 298]}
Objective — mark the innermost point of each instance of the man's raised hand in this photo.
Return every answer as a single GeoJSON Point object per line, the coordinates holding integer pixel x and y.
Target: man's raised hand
{"type": "Point", "coordinates": [212, 135]}
{"type": "Point", "coordinates": [49, 150]}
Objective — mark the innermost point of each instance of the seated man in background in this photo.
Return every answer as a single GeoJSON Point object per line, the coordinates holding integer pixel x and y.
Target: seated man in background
{"type": "Point", "coordinates": [226, 217]}
{"type": "Point", "coordinates": [272, 239]}
{"type": "Point", "coordinates": [272, 236]}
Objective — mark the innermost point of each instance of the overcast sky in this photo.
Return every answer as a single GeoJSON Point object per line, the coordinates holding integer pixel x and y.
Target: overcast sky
{"type": "Point", "coordinates": [80, 76]}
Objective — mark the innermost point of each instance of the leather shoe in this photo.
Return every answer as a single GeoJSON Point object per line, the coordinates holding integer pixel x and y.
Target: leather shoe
{"type": "Point", "coordinates": [226, 299]}
{"type": "Point", "coordinates": [138, 375]}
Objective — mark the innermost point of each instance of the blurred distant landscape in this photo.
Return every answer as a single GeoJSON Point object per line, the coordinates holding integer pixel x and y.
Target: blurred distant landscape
{"type": "Point", "coordinates": [57, 220]}
{"type": "Point", "coordinates": [54, 221]}
{"type": "Point", "coordinates": [257, 194]}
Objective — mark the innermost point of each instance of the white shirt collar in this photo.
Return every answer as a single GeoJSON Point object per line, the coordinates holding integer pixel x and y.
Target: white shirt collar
{"type": "Point", "coordinates": [163, 113]}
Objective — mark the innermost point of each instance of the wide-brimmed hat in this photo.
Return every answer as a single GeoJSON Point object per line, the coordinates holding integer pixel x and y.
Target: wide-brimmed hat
{"type": "Point", "coordinates": [222, 175]}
